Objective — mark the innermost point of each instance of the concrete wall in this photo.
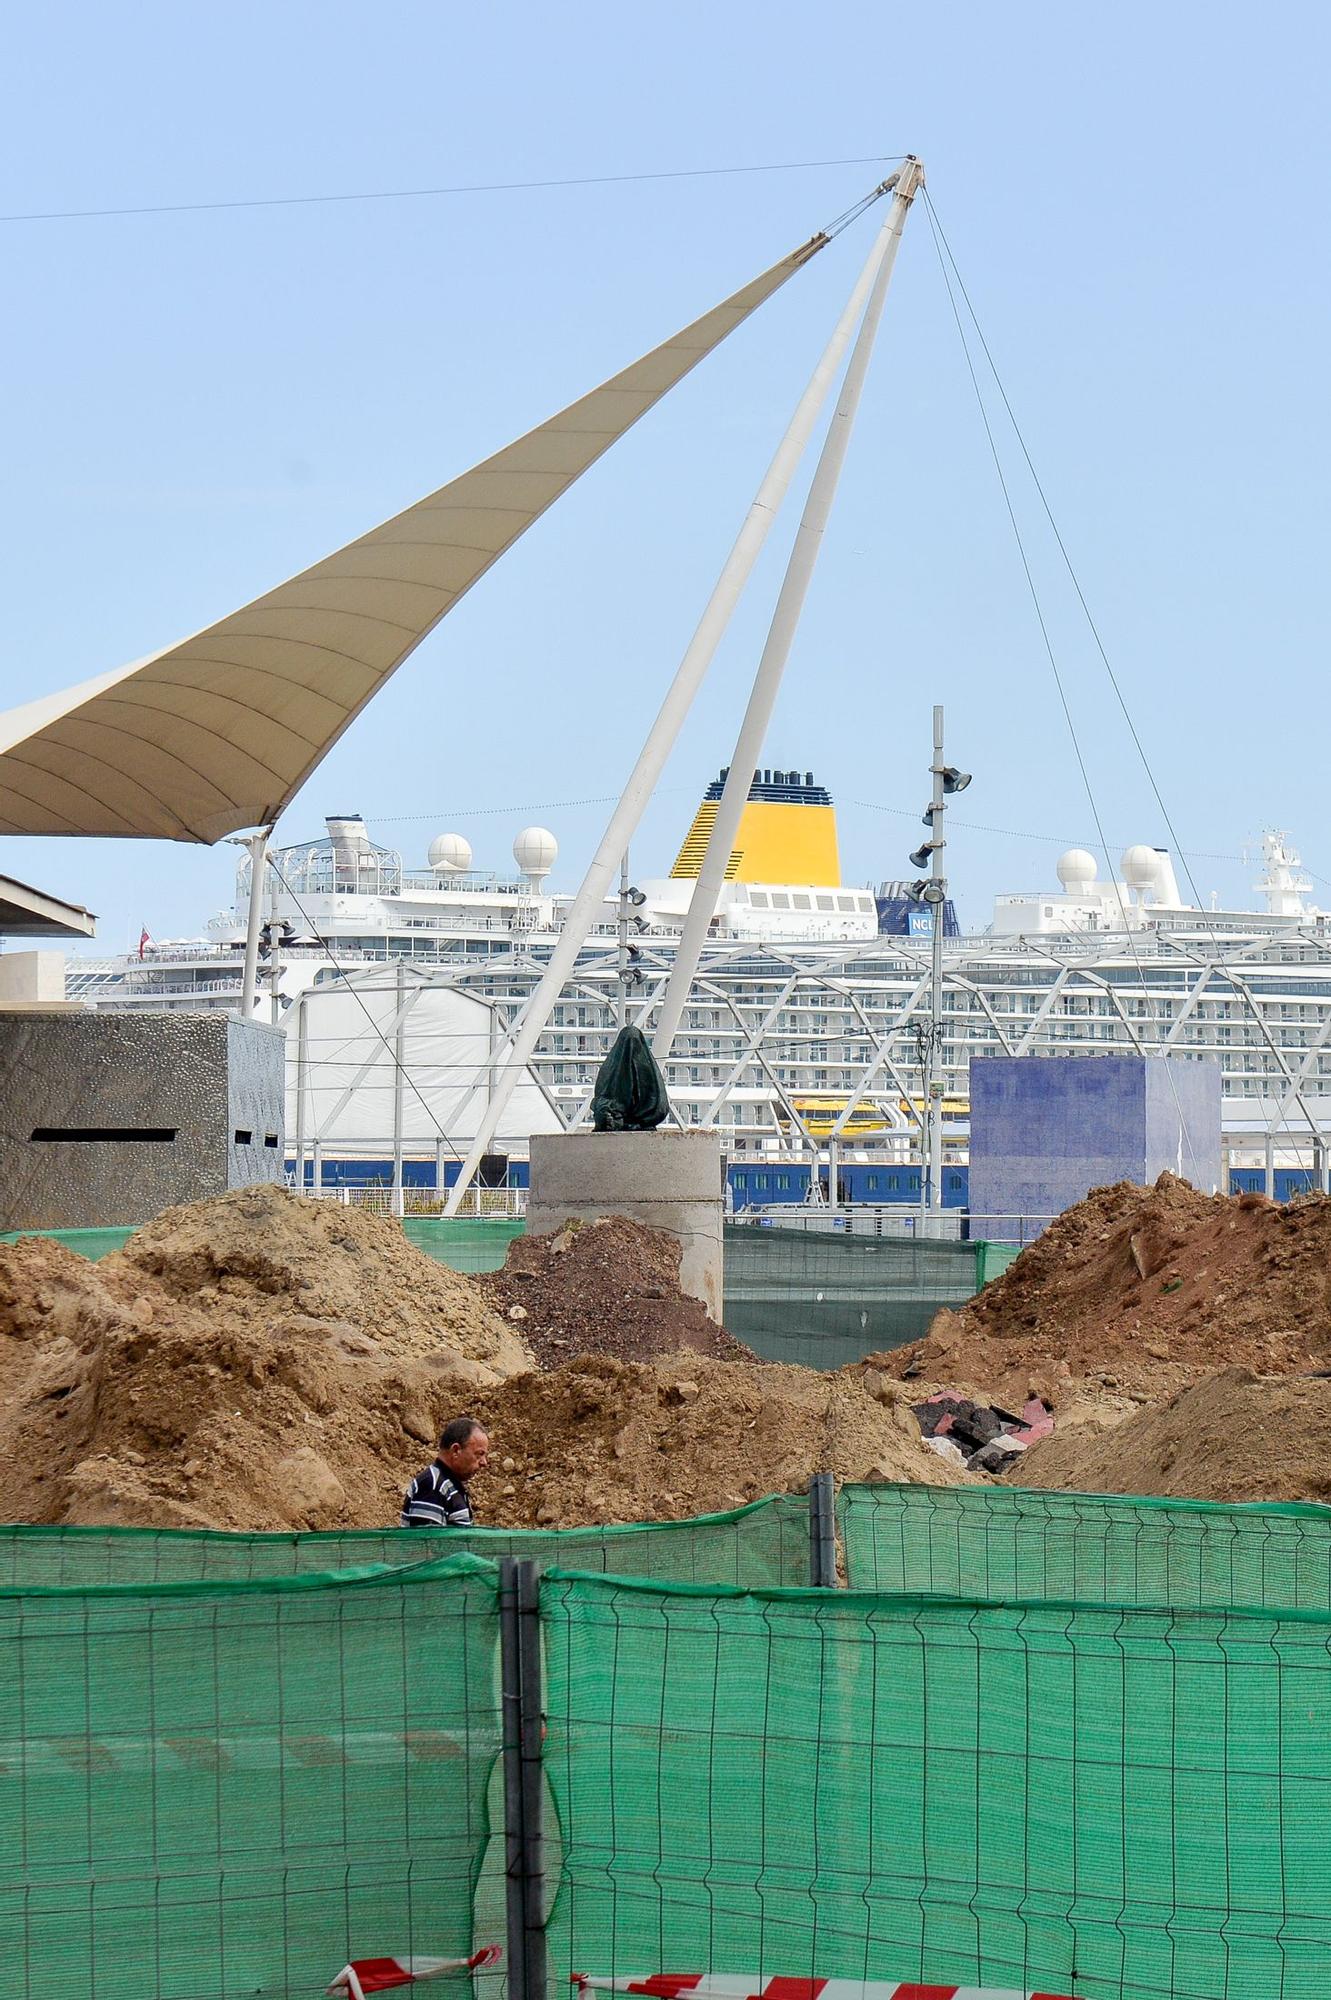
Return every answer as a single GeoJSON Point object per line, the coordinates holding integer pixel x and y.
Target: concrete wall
{"type": "Point", "coordinates": [31, 977]}
{"type": "Point", "coordinates": [108, 1118]}
{"type": "Point", "coordinates": [670, 1180]}
{"type": "Point", "coordinates": [1045, 1130]}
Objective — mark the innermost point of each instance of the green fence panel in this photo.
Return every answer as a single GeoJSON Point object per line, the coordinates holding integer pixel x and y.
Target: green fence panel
{"type": "Point", "coordinates": [824, 1299]}
{"type": "Point", "coordinates": [461, 1243]}
{"type": "Point", "coordinates": [765, 1544]}
{"type": "Point", "coordinates": [992, 1259]}
{"type": "Point", "coordinates": [1066, 1798]}
{"type": "Point", "coordinates": [215, 1791]}
{"type": "Point", "coordinates": [1013, 1541]}
{"type": "Point", "coordinates": [93, 1243]}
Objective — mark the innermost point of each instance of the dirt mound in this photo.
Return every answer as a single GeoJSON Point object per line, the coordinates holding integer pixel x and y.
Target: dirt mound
{"type": "Point", "coordinates": [1136, 1291]}
{"type": "Point", "coordinates": [602, 1439]}
{"type": "Point", "coordinates": [1230, 1436]}
{"type": "Point", "coordinates": [262, 1251]}
{"type": "Point", "coordinates": [258, 1361]}
{"type": "Point", "coordinates": [604, 1287]}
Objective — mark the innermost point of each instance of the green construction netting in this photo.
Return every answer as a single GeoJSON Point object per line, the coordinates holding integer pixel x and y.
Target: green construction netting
{"type": "Point", "coordinates": [1111, 1802]}
{"type": "Point", "coordinates": [825, 1299]}
{"type": "Point", "coordinates": [763, 1545]}
{"type": "Point", "coordinates": [1013, 1541]}
{"type": "Point", "coordinates": [462, 1243]}
{"type": "Point", "coordinates": [92, 1243]}
{"type": "Point", "coordinates": [214, 1791]}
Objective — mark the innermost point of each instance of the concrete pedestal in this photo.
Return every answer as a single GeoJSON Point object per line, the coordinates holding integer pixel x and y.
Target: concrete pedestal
{"type": "Point", "coordinates": [669, 1180]}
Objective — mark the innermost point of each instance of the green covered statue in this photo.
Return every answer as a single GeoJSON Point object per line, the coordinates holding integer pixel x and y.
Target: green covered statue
{"type": "Point", "coordinates": [630, 1094]}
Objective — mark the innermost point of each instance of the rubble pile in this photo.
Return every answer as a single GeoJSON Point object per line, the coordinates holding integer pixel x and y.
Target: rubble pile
{"type": "Point", "coordinates": [1232, 1435]}
{"type": "Point", "coordinates": [604, 1287]}
{"type": "Point", "coordinates": [264, 1361]}
{"type": "Point", "coordinates": [602, 1439]}
{"type": "Point", "coordinates": [1134, 1293]}
{"type": "Point", "coordinates": [256, 1361]}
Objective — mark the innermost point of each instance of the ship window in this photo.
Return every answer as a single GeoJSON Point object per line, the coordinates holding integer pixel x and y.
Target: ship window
{"type": "Point", "coordinates": [845, 902]}
{"type": "Point", "coordinates": [801, 903]}
{"type": "Point", "coordinates": [783, 1180]}
{"type": "Point", "coordinates": [780, 900]}
{"type": "Point", "coordinates": [826, 903]}
{"type": "Point", "coordinates": [758, 898]}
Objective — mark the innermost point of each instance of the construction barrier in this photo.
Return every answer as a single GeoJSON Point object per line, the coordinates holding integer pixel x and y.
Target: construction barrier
{"type": "Point", "coordinates": [826, 1300]}
{"type": "Point", "coordinates": [1013, 1541]}
{"type": "Point", "coordinates": [217, 1790]}
{"type": "Point", "coordinates": [1057, 1798]}
{"type": "Point", "coordinates": [763, 1545]}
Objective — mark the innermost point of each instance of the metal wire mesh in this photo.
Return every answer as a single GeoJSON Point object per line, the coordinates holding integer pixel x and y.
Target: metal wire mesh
{"type": "Point", "coordinates": [1118, 1803]}
{"type": "Point", "coordinates": [825, 1300]}
{"type": "Point", "coordinates": [1012, 1541]}
{"type": "Point", "coordinates": [763, 1544]}
{"type": "Point", "coordinates": [212, 1791]}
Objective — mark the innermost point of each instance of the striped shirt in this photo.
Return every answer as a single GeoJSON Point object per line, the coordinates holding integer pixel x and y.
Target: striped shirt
{"type": "Point", "coordinates": [435, 1499]}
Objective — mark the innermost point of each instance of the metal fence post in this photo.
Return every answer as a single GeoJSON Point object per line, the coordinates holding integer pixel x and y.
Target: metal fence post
{"type": "Point", "coordinates": [822, 1532]}
{"type": "Point", "coordinates": [531, 1743]}
{"type": "Point", "coordinates": [510, 1680]}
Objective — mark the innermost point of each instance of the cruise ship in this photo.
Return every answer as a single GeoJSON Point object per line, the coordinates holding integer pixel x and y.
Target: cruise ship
{"type": "Point", "coordinates": [398, 986]}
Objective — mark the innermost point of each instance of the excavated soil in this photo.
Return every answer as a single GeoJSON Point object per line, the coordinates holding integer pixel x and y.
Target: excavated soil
{"type": "Point", "coordinates": [608, 1440]}
{"type": "Point", "coordinates": [1134, 1293]}
{"type": "Point", "coordinates": [257, 1361]}
{"type": "Point", "coordinates": [604, 1287]}
{"type": "Point", "coordinates": [263, 1361]}
{"type": "Point", "coordinates": [1230, 1436]}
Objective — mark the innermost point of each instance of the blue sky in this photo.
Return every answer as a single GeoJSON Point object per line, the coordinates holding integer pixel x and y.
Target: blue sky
{"type": "Point", "coordinates": [200, 404]}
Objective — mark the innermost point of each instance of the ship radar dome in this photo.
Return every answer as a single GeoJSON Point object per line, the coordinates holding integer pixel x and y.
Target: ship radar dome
{"type": "Point", "coordinates": [1141, 867]}
{"type": "Point", "coordinates": [535, 850]}
{"type": "Point", "coordinates": [1076, 870]}
{"type": "Point", "coordinates": [450, 854]}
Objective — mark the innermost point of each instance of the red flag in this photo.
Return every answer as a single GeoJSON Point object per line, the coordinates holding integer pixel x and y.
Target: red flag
{"type": "Point", "coordinates": [144, 940]}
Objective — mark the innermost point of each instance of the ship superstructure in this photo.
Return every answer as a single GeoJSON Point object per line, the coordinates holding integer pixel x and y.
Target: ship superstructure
{"type": "Point", "coordinates": [804, 1022]}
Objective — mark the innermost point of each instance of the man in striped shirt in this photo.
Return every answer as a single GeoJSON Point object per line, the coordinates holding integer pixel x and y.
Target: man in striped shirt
{"type": "Point", "coordinates": [437, 1497]}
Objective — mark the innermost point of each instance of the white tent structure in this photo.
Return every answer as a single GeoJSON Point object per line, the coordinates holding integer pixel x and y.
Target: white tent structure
{"type": "Point", "coordinates": [220, 731]}
{"type": "Point", "coordinates": [388, 1052]}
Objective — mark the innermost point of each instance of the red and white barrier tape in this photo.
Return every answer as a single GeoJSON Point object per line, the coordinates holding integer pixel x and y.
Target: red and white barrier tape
{"type": "Point", "coordinates": [742, 1986]}
{"type": "Point", "coordinates": [377, 1975]}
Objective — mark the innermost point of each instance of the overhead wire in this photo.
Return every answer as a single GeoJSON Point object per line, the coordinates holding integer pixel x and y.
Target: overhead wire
{"type": "Point", "coordinates": [1050, 652]}
{"type": "Point", "coordinates": [943, 246]}
{"type": "Point", "coordinates": [459, 188]}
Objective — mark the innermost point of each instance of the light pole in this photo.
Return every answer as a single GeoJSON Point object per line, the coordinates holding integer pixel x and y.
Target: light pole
{"type": "Point", "coordinates": [931, 890]}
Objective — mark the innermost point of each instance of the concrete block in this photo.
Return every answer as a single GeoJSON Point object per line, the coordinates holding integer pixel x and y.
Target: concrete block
{"type": "Point", "coordinates": [1045, 1130]}
{"type": "Point", "coordinates": [109, 1118]}
{"type": "Point", "coordinates": [29, 978]}
{"type": "Point", "coordinates": [669, 1180]}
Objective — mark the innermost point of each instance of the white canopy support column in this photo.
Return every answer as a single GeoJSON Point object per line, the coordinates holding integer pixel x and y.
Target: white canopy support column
{"type": "Point", "coordinates": [257, 844]}
{"type": "Point", "coordinates": [874, 280]}
{"type": "Point", "coordinates": [660, 741]}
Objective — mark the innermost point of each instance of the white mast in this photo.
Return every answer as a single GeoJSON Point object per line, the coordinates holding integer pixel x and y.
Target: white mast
{"type": "Point", "coordinates": [664, 730]}
{"type": "Point", "coordinates": [767, 682]}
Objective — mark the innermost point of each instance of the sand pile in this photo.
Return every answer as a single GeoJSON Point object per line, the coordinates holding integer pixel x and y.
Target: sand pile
{"type": "Point", "coordinates": [262, 1361]}
{"type": "Point", "coordinates": [1137, 1291]}
{"type": "Point", "coordinates": [257, 1361]}
{"type": "Point", "coordinates": [1230, 1436]}
{"type": "Point", "coordinates": [602, 1439]}
{"type": "Point", "coordinates": [605, 1287]}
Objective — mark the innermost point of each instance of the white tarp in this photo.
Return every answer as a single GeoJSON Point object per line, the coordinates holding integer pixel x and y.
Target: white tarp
{"type": "Point", "coordinates": [351, 1070]}
{"type": "Point", "coordinates": [220, 731]}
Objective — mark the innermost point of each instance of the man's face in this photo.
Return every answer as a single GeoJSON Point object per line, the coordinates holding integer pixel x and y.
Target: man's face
{"type": "Point", "coordinates": [470, 1458]}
